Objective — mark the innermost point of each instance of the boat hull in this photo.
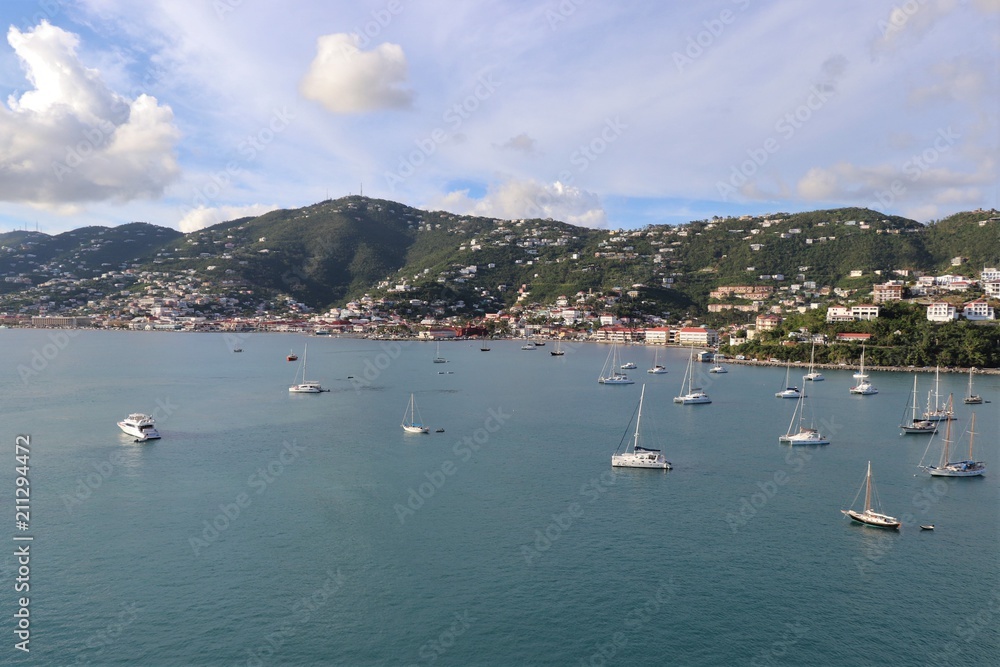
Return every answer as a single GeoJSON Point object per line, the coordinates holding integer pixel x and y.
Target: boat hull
{"type": "Point", "coordinates": [639, 461]}
{"type": "Point", "coordinates": [692, 400]}
{"type": "Point", "coordinates": [615, 380]}
{"type": "Point", "coordinates": [799, 439]}
{"type": "Point", "coordinates": [873, 519]}
{"type": "Point", "coordinates": [416, 429]}
{"type": "Point", "coordinates": [957, 470]}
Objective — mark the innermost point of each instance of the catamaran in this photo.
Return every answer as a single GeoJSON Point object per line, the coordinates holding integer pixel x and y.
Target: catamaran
{"type": "Point", "coordinates": [411, 422]}
{"type": "Point", "coordinates": [657, 369]}
{"type": "Point", "coordinates": [694, 394]}
{"type": "Point", "coordinates": [306, 386]}
{"type": "Point", "coordinates": [813, 375]}
{"type": "Point", "coordinates": [637, 456]}
{"type": "Point", "coordinates": [788, 391]}
{"type": "Point", "coordinates": [806, 435]}
{"type": "Point", "coordinates": [864, 387]}
{"type": "Point", "coordinates": [966, 468]}
{"type": "Point", "coordinates": [610, 373]}
{"type": "Point", "coordinates": [915, 426]}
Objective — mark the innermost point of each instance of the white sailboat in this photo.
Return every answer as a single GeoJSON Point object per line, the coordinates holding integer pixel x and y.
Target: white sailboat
{"type": "Point", "coordinates": [966, 468]}
{"type": "Point", "coordinates": [610, 373]}
{"type": "Point", "coordinates": [869, 516]}
{"type": "Point", "coordinates": [915, 426]}
{"type": "Point", "coordinates": [813, 375]}
{"type": "Point", "coordinates": [694, 395]}
{"type": "Point", "coordinates": [940, 412]}
{"type": "Point", "coordinates": [864, 387]}
{"type": "Point", "coordinates": [657, 369]}
{"type": "Point", "coordinates": [411, 421]}
{"type": "Point", "coordinates": [438, 359]}
{"type": "Point", "coordinates": [806, 435]}
{"type": "Point", "coordinates": [970, 398]}
{"type": "Point", "coordinates": [788, 391]}
{"type": "Point", "coordinates": [636, 456]}
{"type": "Point", "coordinates": [306, 386]}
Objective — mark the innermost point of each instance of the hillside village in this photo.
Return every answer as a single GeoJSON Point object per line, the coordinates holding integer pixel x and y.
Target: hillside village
{"type": "Point", "coordinates": [725, 280]}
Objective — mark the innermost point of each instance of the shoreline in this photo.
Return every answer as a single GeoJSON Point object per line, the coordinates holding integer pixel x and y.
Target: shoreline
{"type": "Point", "coordinates": [360, 336]}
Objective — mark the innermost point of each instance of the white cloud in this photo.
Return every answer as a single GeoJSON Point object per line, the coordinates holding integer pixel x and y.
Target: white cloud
{"type": "Point", "coordinates": [530, 199]}
{"type": "Point", "coordinates": [72, 139]}
{"type": "Point", "coordinates": [201, 217]}
{"type": "Point", "coordinates": [345, 79]}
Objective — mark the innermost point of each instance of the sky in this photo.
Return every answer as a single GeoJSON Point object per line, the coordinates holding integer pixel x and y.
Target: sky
{"type": "Point", "coordinates": [186, 113]}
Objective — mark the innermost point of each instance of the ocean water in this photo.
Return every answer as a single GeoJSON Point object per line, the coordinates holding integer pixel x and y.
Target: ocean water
{"type": "Point", "coordinates": [275, 529]}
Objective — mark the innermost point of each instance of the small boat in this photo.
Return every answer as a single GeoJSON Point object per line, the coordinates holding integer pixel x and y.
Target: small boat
{"type": "Point", "coordinates": [966, 468]}
{"type": "Point", "coordinates": [929, 526]}
{"type": "Point", "coordinates": [539, 343]}
{"type": "Point", "coordinates": [657, 369]}
{"type": "Point", "coordinates": [635, 456]}
{"type": "Point", "coordinates": [609, 373]}
{"type": "Point", "coordinates": [237, 349]}
{"type": "Point", "coordinates": [411, 422]}
{"type": "Point", "coordinates": [528, 345]}
{"type": "Point", "coordinates": [788, 391]}
{"type": "Point", "coordinates": [484, 348]}
{"type": "Point", "coordinates": [439, 359]}
{"type": "Point", "coordinates": [694, 395]}
{"type": "Point", "coordinates": [813, 375]}
{"type": "Point", "coordinates": [140, 426]}
{"type": "Point", "coordinates": [718, 368]}
{"type": "Point", "coordinates": [870, 517]}
{"type": "Point", "coordinates": [558, 351]}
{"type": "Point", "coordinates": [972, 399]}
{"type": "Point", "coordinates": [628, 366]}
{"type": "Point", "coordinates": [292, 357]}
{"type": "Point", "coordinates": [306, 386]}
{"type": "Point", "coordinates": [440, 430]}
{"type": "Point", "coordinates": [806, 435]}
{"type": "Point", "coordinates": [916, 426]}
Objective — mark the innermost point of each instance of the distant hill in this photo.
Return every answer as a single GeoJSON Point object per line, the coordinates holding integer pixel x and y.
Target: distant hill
{"type": "Point", "coordinates": [336, 250]}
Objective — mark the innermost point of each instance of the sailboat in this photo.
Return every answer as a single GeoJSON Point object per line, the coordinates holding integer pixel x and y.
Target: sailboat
{"type": "Point", "coordinates": [657, 368]}
{"type": "Point", "coordinates": [558, 351]}
{"type": "Point", "coordinates": [788, 392]}
{"type": "Point", "coordinates": [915, 426]}
{"type": "Point", "coordinates": [972, 399]}
{"type": "Point", "coordinates": [292, 356]}
{"type": "Point", "coordinates": [813, 375]}
{"type": "Point", "coordinates": [636, 456]}
{"type": "Point", "coordinates": [940, 413]}
{"type": "Point", "coordinates": [411, 423]}
{"type": "Point", "coordinates": [439, 359]}
{"type": "Point", "coordinates": [528, 345]}
{"type": "Point", "coordinates": [869, 516]}
{"type": "Point", "coordinates": [306, 386]}
{"type": "Point", "coordinates": [864, 387]}
{"type": "Point", "coordinates": [806, 435]}
{"type": "Point", "coordinates": [718, 367]}
{"type": "Point", "coordinates": [694, 395]}
{"type": "Point", "coordinates": [966, 468]}
{"type": "Point", "coordinates": [610, 373]}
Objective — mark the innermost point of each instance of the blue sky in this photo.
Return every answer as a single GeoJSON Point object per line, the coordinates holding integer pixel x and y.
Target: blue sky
{"type": "Point", "coordinates": [185, 113]}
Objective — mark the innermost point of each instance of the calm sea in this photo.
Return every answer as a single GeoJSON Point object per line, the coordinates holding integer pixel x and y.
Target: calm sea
{"type": "Point", "coordinates": [275, 529]}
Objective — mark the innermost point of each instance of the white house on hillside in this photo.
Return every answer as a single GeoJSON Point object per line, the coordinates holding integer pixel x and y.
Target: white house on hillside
{"type": "Point", "coordinates": [941, 312]}
{"type": "Point", "coordinates": [978, 310]}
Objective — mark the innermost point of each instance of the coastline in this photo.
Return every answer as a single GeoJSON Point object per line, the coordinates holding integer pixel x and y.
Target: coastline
{"type": "Point", "coordinates": [362, 336]}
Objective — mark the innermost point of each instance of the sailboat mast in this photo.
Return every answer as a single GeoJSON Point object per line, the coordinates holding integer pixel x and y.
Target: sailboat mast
{"type": "Point", "coordinates": [914, 399]}
{"type": "Point", "coordinates": [639, 418]}
{"type": "Point", "coordinates": [972, 433]}
{"type": "Point", "coordinates": [868, 488]}
{"type": "Point", "coordinates": [947, 445]}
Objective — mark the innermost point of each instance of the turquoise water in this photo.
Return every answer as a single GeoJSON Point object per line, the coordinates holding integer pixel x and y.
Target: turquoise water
{"type": "Point", "coordinates": [268, 528]}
